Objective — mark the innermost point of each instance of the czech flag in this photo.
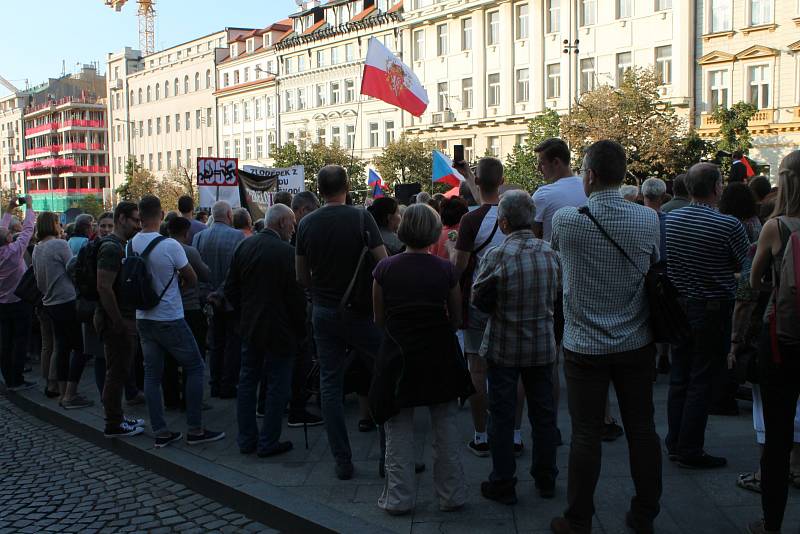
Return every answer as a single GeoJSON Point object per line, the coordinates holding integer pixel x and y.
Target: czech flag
{"type": "Point", "coordinates": [387, 78]}
{"type": "Point", "coordinates": [374, 178]}
{"type": "Point", "coordinates": [443, 171]}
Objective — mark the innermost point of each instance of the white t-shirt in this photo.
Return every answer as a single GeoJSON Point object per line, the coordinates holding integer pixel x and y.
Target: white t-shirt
{"type": "Point", "coordinates": [164, 261]}
{"type": "Point", "coordinates": [550, 198]}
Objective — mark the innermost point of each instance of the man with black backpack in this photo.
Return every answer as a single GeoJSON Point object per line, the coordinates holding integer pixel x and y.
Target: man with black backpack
{"type": "Point", "coordinates": [153, 268]}
{"type": "Point", "coordinates": [113, 318]}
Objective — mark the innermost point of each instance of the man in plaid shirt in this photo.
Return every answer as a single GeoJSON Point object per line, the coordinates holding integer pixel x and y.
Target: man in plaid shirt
{"type": "Point", "coordinates": [517, 283]}
{"type": "Point", "coordinates": [607, 337]}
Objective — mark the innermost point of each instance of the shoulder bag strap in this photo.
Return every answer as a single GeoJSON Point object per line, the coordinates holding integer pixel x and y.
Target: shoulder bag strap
{"type": "Point", "coordinates": [585, 211]}
{"type": "Point", "coordinates": [489, 239]}
{"type": "Point", "coordinates": [361, 258]}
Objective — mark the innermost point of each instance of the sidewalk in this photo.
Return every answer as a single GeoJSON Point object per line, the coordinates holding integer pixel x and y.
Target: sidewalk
{"type": "Point", "coordinates": [302, 482]}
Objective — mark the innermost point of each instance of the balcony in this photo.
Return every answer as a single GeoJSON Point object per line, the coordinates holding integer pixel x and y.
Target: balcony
{"type": "Point", "coordinates": [82, 146]}
{"type": "Point", "coordinates": [87, 169]}
{"type": "Point", "coordinates": [763, 117]}
{"type": "Point", "coordinates": [81, 123]}
{"type": "Point", "coordinates": [46, 127]}
{"type": "Point", "coordinates": [50, 149]}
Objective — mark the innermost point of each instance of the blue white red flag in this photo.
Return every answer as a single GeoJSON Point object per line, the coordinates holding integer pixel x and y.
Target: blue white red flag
{"type": "Point", "coordinates": [443, 171]}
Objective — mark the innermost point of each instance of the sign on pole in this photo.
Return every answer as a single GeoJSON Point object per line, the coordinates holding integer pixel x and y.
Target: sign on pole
{"type": "Point", "coordinates": [218, 179]}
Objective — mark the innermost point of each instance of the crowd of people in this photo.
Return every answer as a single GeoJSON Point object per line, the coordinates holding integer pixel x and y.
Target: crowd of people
{"type": "Point", "coordinates": [484, 298]}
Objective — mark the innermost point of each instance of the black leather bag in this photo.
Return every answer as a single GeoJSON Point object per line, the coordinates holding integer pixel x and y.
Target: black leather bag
{"type": "Point", "coordinates": [357, 298]}
{"type": "Point", "coordinates": [668, 320]}
{"type": "Point", "coordinates": [27, 290]}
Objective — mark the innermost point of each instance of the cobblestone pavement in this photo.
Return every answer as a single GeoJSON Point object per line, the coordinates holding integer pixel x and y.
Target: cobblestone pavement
{"type": "Point", "coordinates": [51, 481]}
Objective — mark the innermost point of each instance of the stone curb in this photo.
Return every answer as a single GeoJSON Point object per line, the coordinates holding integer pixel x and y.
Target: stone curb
{"type": "Point", "coordinates": [260, 501]}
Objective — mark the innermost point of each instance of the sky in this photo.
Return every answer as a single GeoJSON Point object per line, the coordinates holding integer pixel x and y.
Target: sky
{"type": "Point", "coordinates": [43, 33]}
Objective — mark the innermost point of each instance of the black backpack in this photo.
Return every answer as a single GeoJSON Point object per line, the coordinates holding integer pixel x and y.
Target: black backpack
{"type": "Point", "coordinates": [136, 287]}
{"type": "Point", "coordinates": [84, 271]}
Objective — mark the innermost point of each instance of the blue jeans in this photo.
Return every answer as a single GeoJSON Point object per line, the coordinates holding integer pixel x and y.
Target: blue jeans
{"type": "Point", "coordinates": [333, 335]}
{"type": "Point", "coordinates": [277, 368]}
{"type": "Point", "coordinates": [694, 365]}
{"type": "Point", "coordinates": [538, 382]}
{"type": "Point", "coordinates": [174, 337]}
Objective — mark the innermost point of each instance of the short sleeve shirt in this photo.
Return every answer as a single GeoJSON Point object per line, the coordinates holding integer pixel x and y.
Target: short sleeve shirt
{"type": "Point", "coordinates": [164, 261]}
{"type": "Point", "coordinates": [414, 278]}
{"type": "Point", "coordinates": [478, 229]}
{"type": "Point", "coordinates": [550, 198]}
{"type": "Point", "coordinates": [109, 258]}
{"type": "Point", "coordinates": [331, 241]}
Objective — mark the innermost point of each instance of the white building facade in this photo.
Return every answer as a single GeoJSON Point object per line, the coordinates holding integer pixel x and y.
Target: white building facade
{"type": "Point", "coordinates": [12, 147]}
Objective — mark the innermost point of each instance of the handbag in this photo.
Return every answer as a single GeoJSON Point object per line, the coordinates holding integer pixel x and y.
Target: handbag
{"type": "Point", "coordinates": [668, 320]}
{"type": "Point", "coordinates": [357, 297]}
{"type": "Point", "coordinates": [27, 290]}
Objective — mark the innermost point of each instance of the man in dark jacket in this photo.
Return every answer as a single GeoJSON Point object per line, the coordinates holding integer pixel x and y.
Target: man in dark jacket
{"type": "Point", "coordinates": [262, 288]}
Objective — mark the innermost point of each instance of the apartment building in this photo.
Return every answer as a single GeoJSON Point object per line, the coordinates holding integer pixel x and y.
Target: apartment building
{"type": "Point", "coordinates": [749, 50]}
{"type": "Point", "coordinates": [320, 66]}
{"type": "Point", "coordinates": [162, 109]}
{"type": "Point", "coordinates": [247, 98]}
{"type": "Point", "coordinates": [491, 65]}
{"type": "Point", "coordinates": [11, 145]}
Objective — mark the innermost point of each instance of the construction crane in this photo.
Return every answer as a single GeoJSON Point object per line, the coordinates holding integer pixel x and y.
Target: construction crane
{"type": "Point", "coordinates": [8, 85]}
{"type": "Point", "coordinates": [147, 22]}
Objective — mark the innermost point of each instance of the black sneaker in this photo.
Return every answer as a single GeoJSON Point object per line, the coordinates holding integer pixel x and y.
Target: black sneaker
{"type": "Point", "coordinates": [163, 441]}
{"type": "Point", "coordinates": [206, 437]}
{"type": "Point", "coordinates": [503, 492]}
{"type": "Point", "coordinates": [307, 418]}
{"type": "Point", "coordinates": [479, 449]}
{"type": "Point", "coordinates": [123, 430]}
{"type": "Point", "coordinates": [704, 461]}
{"type": "Point", "coordinates": [280, 448]}
{"type": "Point", "coordinates": [612, 431]}
{"type": "Point", "coordinates": [22, 387]}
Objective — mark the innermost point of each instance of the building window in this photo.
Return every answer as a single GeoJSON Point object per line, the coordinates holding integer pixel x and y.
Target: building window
{"type": "Point", "coordinates": [523, 85]}
{"type": "Point", "coordinates": [322, 136]}
{"type": "Point", "coordinates": [588, 14]}
{"type": "Point", "coordinates": [388, 133]}
{"type": "Point", "coordinates": [493, 92]}
{"type": "Point", "coordinates": [553, 16]}
{"type": "Point", "coordinates": [587, 75]}
{"type": "Point", "coordinates": [208, 79]}
{"type": "Point", "coordinates": [321, 95]}
{"type": "Point", "coordinates": [760, 12]}
{"type": "Point", "coordinates": [160, 161]}
{"type": "Point", "coordinates": [336, 93]}
{"type": "Point", "coordinates": [198, 120]}
{"type": "Point", "coordinates": [248, 147]}
{"type": "Point", "coordinates": [260, 147]}
{"type": "Point", "coordinates": [301, 63]}
{"type": "Point", "coordinates": [349, 52]}
{"type": "Point", "coordinates": [197, 81]}
{"type": "Point", "coordinates": [493, 28]}
{"type": "Point", "coordinates": [721, 20]}
{"type": "Point", "coordinates": [186, 84]}
{"type": "Point", "coordinates": [236, 77]}
{"type": "Point", "coordinates": [466, 34]}
{"type": "Point", "coordinates": [373, 134]}
{"type": "Point", "coordinates": [188, 121]}
{"type": "Point", "coordinates": [336, 136]}
{"type": "Point", "coordinates": [758, 88]}
{"type": "Point", "coordinates": [176, 87]}
{"type": "Point", "coordinates": [208, 117]}
{"type": "Point", "coordinates": [150, 162]}
{"type": "Point", "coordinates": [419, 44]}
{"type": "Point", "coordinates": [441, 39]}
{"type": "Point", "coordinates": [661, 5]}
{"type": "Point", "coordinates": [493, 143]}
{"type": "Point", "coordinates": [335, 56]}
{"type": "Point", "coordinates": [349, 90]}
{"type": "Point", "coordinates": [250, 45]}
{"type": "Point", "coordinates": [226, 81]}
{"type": "Point", "coordinates": [441, 96]}
{"type": "Point", "coordinates": [522, 21]}
{"type": "Point", "coordinates": [141, 128]}
{"type": "Point", "coordinates": [166, 124]}
{"type": "Point", "coordinates": [149, 94]}
{"type": "Point", "coordinates": [466, 93]}
{"type": "Point", "coordinates": [166, 89]}
{"type": "Point", "coordinates": [149, 127]}
{"type": "Point", "coordinates": [246, 74]}
{"type": "Point", "coordinates": [289, 98]}
{"type": "Point", "coordinates": [237, 148]}
{"type": "Point", "coordinates": [169, 159]}
{"type": "Point", "coordinates": [301, 98]}
{"type": "Point", "coordinates": [226, 151]}
{"type": "Point", "coordinates": [158, 91]}
{"type": "Point", "coordinates": [225, 116]}
{"type": "Point", "coordinates": [664, 64]}
{"type": "Point", "coordinates": [321, 58]}
{"type": "Point", "coordinates": [718, 89]}
{"type": "Point", "coordinates": [257, 106]}
{"type": "Point", "coordinates": [623, 65]}
{"type": "Point", "coordinates": [351, 136]}
{"type": "Point", "coordinates": [554, 80]}
{"type": "Point", "coordinates": [623, 9]}
{"type": "Point", "coordinates": [178, 160]}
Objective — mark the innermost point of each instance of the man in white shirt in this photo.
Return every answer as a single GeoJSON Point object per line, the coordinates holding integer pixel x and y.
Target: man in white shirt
{"type": "Point", "coordinates": [163, 329]}
{"type": "Point", "coordinates": [564, 189]}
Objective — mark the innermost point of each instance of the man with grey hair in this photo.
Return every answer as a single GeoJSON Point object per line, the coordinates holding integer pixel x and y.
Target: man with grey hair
{"type": "Point", "coordinates": [653, 191]}
{"type": "Point", "coordinates": [517, 284]}
{"type": "Point", "coordinates": [629, 192]}
{"type": "Point", "coordinates": [243, 222]}
{"type": "Point", "coordinates": [216, 245]}
{"type": "Point", "coordinates": [262, 287]}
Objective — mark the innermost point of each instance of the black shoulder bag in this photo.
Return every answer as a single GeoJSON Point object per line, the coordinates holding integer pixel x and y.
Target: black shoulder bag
{"type": "Point", "coordinates": [668, 320]}
{"type": "Point", "coordinates": [357, 297]}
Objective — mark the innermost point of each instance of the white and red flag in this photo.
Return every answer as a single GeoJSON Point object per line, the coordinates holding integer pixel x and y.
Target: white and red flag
{"type": "Point", "coordinates": [389, 79]}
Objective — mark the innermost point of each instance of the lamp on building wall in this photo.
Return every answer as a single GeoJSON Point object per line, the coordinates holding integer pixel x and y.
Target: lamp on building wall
{"type": "Point", "coordinates": [277, 105]}
{"type": "Point", "coordinates": [569, 49]}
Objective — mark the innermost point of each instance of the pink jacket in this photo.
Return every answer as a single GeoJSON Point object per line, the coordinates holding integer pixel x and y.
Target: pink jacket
{"type": "Point", "coordinates": [12, 265]}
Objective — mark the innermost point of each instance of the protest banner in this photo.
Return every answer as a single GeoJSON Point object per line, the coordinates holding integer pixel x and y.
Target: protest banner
{"type": "Point", "coordinates": [259, 184]}
{"type": "Point", "coordinates": [218, 179]}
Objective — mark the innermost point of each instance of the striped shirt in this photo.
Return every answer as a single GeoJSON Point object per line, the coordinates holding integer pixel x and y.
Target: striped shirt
{"type": "Point", "coordinates": [605, 305]}
{"type": "Point", "coordinates": [704, 250]}
{"type": "Point", "coordinates": [522, 276]}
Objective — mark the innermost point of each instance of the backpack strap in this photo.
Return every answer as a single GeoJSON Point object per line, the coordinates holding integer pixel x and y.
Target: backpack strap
{"type": "Point", "coordinates": [150, 246]}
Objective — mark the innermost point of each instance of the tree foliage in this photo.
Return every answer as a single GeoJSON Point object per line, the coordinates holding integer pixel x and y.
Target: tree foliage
{"type": "Point", "coordinates": [522, 164]}
{"type": "Point", "coordinates": [90, 204]}
{"type": "Point", "coordinates": [733, 132]}
{"type": "Point", "coordinates": [5, 199]}
{"type": "Point", "coordinates": [139, 182]}
{"type": "Point", "coordinates": [633, 115]}
{"type": "Point", "coordinates": [315, 156]}
{"type": "Point", "coordinates": [408, 159]}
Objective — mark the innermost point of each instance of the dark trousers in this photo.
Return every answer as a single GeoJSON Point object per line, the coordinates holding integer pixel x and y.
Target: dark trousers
{"type": "Point", "coordinates": [68, 346]}
{"type": "Point", "coordinates": [538, 382]}
{"type": "Point", "coordinates": [198, 324]}
{"type": "Point", "coordinates": [131, 389]}
{"type": "Point", "coordinates": [694, 366]}
{"type": "Point", "coordinates": [225, 354]}
{"type": "Point", "coordinates": [588, 378]}
{"type": "Point", "coordinates": [780, 389]}
{"type": "Point", "coordinates": [120, 349]}
{"type": "Point", "coordinates": [15, 327]}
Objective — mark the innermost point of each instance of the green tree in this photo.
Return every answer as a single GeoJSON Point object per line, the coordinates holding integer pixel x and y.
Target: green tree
{"type": "Point", "coordinates": [522, 164]}
{"type": "Point", "coordinates": [409, 159]}
{"type": "Point", "coordinates": [5, 199]}
{"type": "Point", "coordinates": [90, 204]}
{"type": "Point", "coordinates": [633, 115]}
{"type": "Point", "coordinates": [692, 149]}
{"type": "Point", "coordinates": [733, 132]}
{"type": "Point", "coordinates": [315, 156]}
{"type": "Point", "coordinates": [138, 182]}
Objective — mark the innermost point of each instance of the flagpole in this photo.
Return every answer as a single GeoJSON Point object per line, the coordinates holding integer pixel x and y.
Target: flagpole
{"type": "Point", "coordinates": [357, 131]}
